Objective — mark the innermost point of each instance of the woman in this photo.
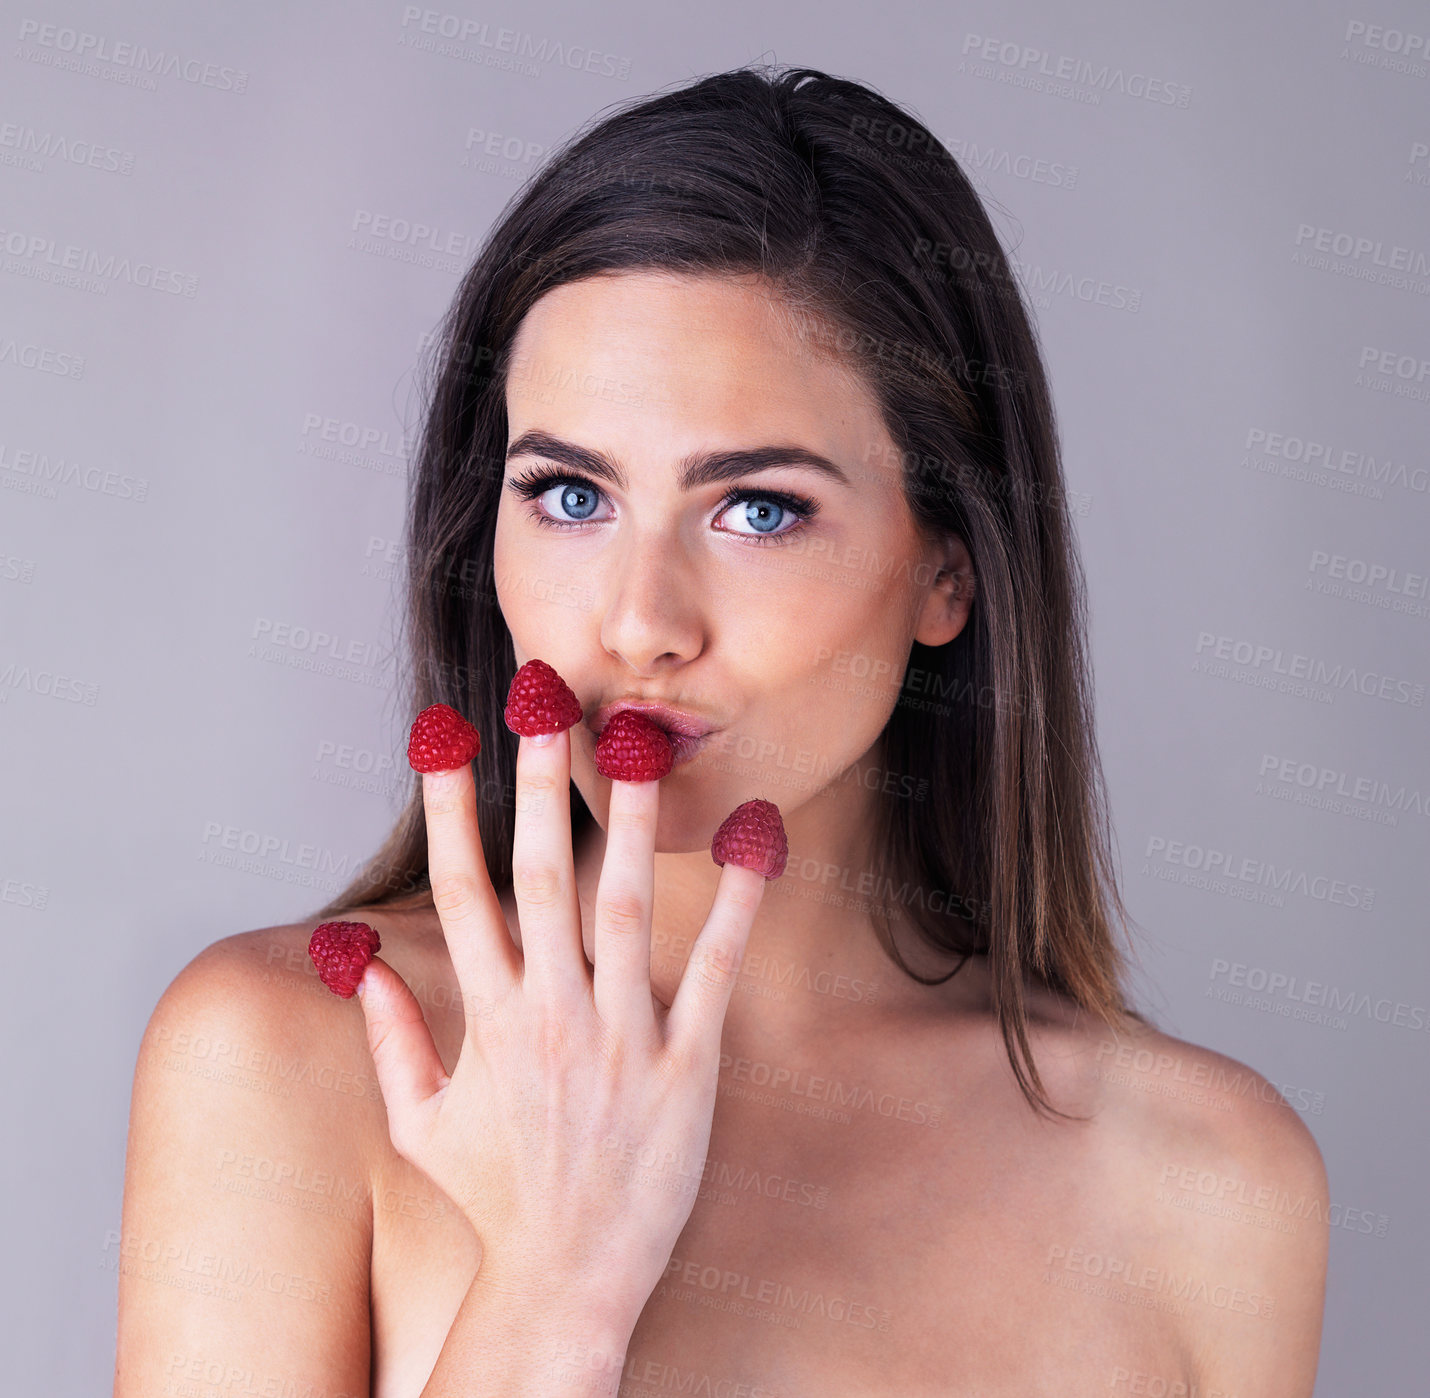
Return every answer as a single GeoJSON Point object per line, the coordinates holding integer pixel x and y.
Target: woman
{"type": "Point", "coordinates": [739, 411]}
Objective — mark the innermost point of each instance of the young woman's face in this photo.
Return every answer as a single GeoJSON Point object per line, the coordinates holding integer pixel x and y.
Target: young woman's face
{"type": "Point", "coordinates": [777, 605]}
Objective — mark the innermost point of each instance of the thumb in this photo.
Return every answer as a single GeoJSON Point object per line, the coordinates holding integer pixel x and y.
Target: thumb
{"type": "Point", "coordinates": [409, 1068]}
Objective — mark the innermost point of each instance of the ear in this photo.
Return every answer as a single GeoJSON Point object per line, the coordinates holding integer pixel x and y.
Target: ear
{"type": "Point", "coordinates": [948, 593]}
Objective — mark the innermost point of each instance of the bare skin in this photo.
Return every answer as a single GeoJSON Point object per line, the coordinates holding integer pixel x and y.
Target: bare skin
{"type": "Point", "coordinates": [880, 1211]}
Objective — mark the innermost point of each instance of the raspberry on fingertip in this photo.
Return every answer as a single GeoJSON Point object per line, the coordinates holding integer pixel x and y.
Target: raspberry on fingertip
{"type": "Point", "coordinates": [752, 836]}
{"type": "Point", "coordinates": [441, 740]}
{"type": "Point", "coordinates": [540, 702]}
{"type": "Point", "coordinates": [342, 951]}
{"type": "Point", "coordinates": [633, 749]}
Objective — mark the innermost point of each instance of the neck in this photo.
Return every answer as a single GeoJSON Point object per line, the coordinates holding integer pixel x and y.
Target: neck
{"type": "Point", "coordinates": [814, 961]}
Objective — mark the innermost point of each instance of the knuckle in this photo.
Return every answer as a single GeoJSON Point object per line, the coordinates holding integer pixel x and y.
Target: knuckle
{"type": "Point", "coordinates": [611, 1050]}
{"type": "Point", "coordinates": [627, 825]}
{"type": "Point", "coordinates": [537, 786]}
{"type": "Point", "coordinates": [682, 1061]}
{"type": "Point", "coordinates": [714, 966]}
{"type": "Point", "coordinates": [531, 803]}
{"type": "Point", "coordinates": [622, 913]}
{"type": "Point", "coordinates": [538, 885]}
{"type": "Point", "coordinates": [441, 801]}
{"type": "Point", "coordinates": [746, 895]}
{"type": "Point", "coordinates": [453, 895]}
{"type": "Point", "coordinates": [550, 1038]}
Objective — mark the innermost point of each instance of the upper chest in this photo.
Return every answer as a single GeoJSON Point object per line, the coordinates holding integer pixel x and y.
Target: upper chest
{"type": "Point", "coordinates": [854, 1233]}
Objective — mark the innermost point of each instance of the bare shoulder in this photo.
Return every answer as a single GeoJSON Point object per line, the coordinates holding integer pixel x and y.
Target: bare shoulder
{"type": "Point", "coordinates": [250, 1011]}
{"type": "Point", "coordinates": [1218, 1198]}
{"type": "Point", "coordinates": [250, 1008]}
{"type": "Point", "coordinates": [255, 1123]}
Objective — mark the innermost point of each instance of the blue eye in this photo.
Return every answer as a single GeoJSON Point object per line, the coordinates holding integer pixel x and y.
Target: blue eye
{"type": "Point", "coordinates": [578, 500]}
{"type": "Point", "coordinates": [759, 513]}
{"type": "Point", "coordinates": [765, 510]}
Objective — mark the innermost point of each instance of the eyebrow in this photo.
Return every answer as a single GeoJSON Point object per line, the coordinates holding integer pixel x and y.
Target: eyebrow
{"type": "Point", "coordinates": [698, 469]}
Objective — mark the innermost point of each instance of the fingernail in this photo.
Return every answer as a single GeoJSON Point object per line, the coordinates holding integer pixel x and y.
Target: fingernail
{"type": "Point", "coordinates": [541, 739]}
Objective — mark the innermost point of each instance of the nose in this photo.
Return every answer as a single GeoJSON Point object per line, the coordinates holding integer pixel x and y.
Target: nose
{"type": "Point", "coordinates": [653, 609]}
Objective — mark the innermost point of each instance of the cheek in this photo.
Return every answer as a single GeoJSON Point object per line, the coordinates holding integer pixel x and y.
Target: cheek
{"type": "Point", "coordinates": [501, 544]}
{"type": "Point", "coordinates": [510, 565]}
{"type": "Point", "coordinates": [855, 663]}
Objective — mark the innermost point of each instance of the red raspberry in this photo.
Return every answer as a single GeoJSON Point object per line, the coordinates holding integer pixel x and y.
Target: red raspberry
{"type": "Point", "coordinates": [540, 701]}
{"type": "Point", "coordinates": [753, 836]}
{"type": "Point", "coordinates": [441, 740]}
{"type": "Point", "coordinates": [633, 749]}
{"type": "Point", "coordinates": [341, 951]}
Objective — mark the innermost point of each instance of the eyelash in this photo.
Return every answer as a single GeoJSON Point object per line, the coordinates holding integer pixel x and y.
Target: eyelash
{"type": "Point", "coordinates": [540, 479]}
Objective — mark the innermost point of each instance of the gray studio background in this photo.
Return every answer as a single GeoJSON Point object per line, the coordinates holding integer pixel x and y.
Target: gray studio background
{"type": "Point", "coordinates": [202, 477]}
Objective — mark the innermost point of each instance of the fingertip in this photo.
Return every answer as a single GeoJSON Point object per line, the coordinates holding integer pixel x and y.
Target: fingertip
{"type": "Point", "coordinates": [746, 884]}
{"type": "Point", "coordinates": [372, 987]}
{"type": "Point", "coordinates": [443, 792]}
{"type": "Point", "coordinates": [367, 980]}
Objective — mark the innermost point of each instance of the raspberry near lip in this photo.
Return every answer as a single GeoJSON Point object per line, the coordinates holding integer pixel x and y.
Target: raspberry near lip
{"type": "Point", "coordinates": [540, 701]}
{"type": "Point", "coordinates": [341, 951]}
{"type": "Point", "coordinates": [441, 740]}
{"type": "Point", "coordinates": [633, 749]}
{"type": "Point", "coordinates": [753, 836]}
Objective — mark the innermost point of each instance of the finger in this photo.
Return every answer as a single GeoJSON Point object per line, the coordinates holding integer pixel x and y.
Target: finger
{"type": "Point", "coordinates": [483, 955]}
{"type": "Point", "coordinates": [625, 896]}
{"type": "Point", "coordinates": [409, 1068]}
{"type": "Point", "coordinates": [543, 873]}
{"type": "Point", "coordinates": [697, 1013]}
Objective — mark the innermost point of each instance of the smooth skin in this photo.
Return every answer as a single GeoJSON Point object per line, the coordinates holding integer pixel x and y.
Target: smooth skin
{"type": "Point", "coordinates": [571, 1062]}
{"type": "Point", "coordinates": [985, 1242]}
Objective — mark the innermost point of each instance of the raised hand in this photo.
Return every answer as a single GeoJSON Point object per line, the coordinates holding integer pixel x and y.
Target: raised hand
{"type": "Point", "coordinates": [565, 1077]}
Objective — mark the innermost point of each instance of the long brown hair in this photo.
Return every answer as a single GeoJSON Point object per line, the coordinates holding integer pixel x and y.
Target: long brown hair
{"type": "Point", "coordinates": [878, 247]}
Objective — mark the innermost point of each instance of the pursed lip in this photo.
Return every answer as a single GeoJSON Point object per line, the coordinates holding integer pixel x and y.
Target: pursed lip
{"type": "Point", "coordinates": [676, 722]}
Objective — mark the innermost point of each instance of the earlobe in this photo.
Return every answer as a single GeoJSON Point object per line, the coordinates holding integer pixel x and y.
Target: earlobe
{"type": "Point", "coordinates": [949, 601]}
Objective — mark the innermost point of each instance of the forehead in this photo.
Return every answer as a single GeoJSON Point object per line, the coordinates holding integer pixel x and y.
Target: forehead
{"type": "Point", "coordinates": [667, 353]}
